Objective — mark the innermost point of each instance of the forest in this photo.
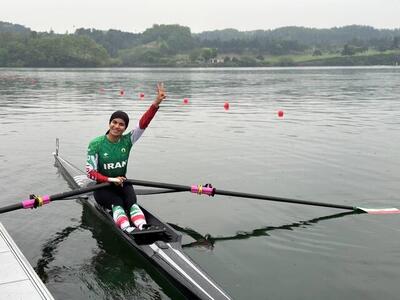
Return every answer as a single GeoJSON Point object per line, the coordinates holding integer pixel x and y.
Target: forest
{"type": "Point", "coordinates": [176, 46]}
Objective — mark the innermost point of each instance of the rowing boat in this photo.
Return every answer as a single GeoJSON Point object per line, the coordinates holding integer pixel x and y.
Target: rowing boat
{"type": "Point", "coordinates": [161, 246]}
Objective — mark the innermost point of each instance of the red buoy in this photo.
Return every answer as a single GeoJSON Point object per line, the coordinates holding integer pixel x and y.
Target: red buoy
{"type": "Point", "coordinates": [121, 92]}
{"type": "Point", "coordinates": [185, 101]}
{"type": "Point", "coordinates": [280, 113]}
{"type": "Point", "coordinates": [141, 95]}
{"type": "Point", "coordinates": [226, 105]}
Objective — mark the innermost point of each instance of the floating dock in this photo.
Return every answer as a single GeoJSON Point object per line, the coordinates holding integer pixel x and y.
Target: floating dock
{"type": "Point", "coordinates": [18, 280]}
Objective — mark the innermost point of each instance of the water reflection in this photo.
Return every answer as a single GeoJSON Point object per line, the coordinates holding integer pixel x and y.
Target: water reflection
{"type": "Point", "coordinates": [115, 271]}
{"type": "Point", "coordinates": [208, 241]}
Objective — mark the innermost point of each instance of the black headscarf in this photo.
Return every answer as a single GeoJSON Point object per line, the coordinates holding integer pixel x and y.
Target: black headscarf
{"type": "Point", "coordinates": [119, 114]}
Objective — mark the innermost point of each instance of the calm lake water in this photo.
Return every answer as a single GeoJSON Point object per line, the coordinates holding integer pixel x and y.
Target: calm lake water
{"type": "Point", "coordinates": [337, 142]}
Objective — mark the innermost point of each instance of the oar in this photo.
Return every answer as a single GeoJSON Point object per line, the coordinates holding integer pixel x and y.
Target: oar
{"type": "Point", "coordinates": [211, 191]}
{"type": "Point", "coordinates": [30, 203]}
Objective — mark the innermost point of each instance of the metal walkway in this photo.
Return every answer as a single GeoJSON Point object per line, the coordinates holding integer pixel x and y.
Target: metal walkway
{"type": "Point", "coordinates": [18, 280]}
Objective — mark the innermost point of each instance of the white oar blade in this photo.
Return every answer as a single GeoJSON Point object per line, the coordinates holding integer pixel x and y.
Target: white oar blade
{"type": "Point", "coordinates": [380, 211]}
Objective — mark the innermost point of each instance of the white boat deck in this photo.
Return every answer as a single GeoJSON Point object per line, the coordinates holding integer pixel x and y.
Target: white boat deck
{"type": "Point", "coordinates": [18, 280]}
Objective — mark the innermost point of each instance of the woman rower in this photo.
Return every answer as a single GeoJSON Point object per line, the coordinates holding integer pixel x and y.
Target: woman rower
{"type": "Point", "coordinates": [107, 161]}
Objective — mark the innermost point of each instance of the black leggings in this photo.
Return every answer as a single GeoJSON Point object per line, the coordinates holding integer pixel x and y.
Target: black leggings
{"type": "Point", "coordinates": [124, 196]}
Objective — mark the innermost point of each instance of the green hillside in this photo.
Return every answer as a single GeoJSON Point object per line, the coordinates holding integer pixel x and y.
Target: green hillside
{"type": "Point", "coordinates": [175, 45]}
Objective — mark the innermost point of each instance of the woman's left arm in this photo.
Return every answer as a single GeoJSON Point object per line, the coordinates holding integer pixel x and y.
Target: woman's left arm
{"type": "Point", "coordinates": [145, 120]}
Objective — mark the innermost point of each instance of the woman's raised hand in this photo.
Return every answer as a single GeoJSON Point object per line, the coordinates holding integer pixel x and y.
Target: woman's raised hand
{"type": "Point", "coordinates": [161, 95]}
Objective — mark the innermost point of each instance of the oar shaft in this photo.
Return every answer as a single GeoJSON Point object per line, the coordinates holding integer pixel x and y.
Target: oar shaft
{"type": "Point", "coordinates": [280, 199]}
{"type": "Point", "coordinates": [178, 187]}
{"type": "Point", "coordinates": [10, 207]}
{"type": "Point", "coordinates": [80, 191]}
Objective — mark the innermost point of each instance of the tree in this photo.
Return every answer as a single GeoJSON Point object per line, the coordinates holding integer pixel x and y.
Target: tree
{"type": "Point", "coordinates": [206, 54]}
{"type": "Point", "coordinates": [194, 55]}
{"type": "Point", "coordinates": [3, 57]}
{"type": "Point", "coordinates": [141, 56]}
{"type": "Point", "coordinates": [396, 42]}
{"type": "Point", "coordinates": [112, 40]}
{"type": "Point", "coordinates": [178, 38]}
{"type": "Point", "coordinates": [348, 50]}
{"type": "Point", "coordinates": [209, 53]}
{"type": "Point", "coordinates": [317, 52]}
{"type": "Point", "coordinates": [64, 51]}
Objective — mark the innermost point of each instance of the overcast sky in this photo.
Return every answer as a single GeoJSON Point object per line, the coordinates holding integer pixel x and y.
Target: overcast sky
{"type": "Point", "coordinates": [199, 15]}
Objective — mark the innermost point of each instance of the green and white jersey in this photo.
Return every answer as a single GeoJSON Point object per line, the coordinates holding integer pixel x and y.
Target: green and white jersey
{"type": "Point", "coordinates": [108, 158]}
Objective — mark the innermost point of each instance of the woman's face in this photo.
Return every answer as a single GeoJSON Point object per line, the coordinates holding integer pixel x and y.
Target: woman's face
{"type": "Point", "coordinates": [117, 127]}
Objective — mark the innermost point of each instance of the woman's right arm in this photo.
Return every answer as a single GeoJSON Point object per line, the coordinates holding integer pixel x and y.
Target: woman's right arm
{"type": "Point", "coordinates": [92, 168]}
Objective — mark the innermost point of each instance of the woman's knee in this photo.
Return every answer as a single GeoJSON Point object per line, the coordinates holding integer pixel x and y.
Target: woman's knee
{"type": "Point", "coordinates": [108, 198]}
{"type": "Point", "coordinates": [130, 196]}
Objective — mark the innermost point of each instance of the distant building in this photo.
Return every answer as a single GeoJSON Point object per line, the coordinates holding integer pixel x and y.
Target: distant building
{"type": "Point", "coordinates": [216, 60]}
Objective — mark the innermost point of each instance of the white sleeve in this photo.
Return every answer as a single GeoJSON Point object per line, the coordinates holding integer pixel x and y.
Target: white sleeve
{"type": "Point", "coordinates": [136, 133]}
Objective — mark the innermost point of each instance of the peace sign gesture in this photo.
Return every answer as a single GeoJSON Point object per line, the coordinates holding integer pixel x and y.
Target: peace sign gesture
{"type": "Point", "coordinates": [160, 94]}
